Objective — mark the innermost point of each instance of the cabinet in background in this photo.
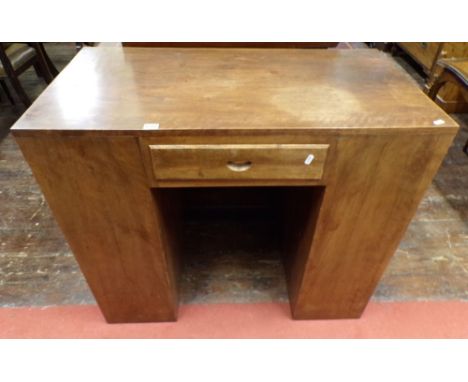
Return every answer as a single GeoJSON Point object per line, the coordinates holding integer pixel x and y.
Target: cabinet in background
{"type": "Point", "coordinates": [427, 54]}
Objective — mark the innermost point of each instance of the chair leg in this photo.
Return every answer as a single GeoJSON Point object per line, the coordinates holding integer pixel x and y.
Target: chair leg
{"type": "Point", "coordinates": [20, 91]}
{"type": "Point", "coordinates": [7, 91]}
{"type": "Point", "coordinates": [432, 93]}
{"type": "Point", "coordinates": [394, 50]}
{"type": "Point", "coordinates": [37, 69]}
{"type": "Point", "coordinates": [44, 70]}
{"type": "Point", "coordinates": [52, 69]}
{"type": "Point", "coordinates": [40, 63]}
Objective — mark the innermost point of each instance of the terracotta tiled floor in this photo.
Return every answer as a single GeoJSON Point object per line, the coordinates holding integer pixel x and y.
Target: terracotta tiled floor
{"type": "Point", "coordinates": [37, 267]}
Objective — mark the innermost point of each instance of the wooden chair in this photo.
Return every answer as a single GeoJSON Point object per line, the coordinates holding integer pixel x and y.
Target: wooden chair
{"type": "Point", "coordinates": [454, 71]}
{"type": "Point", "coordinates": [4, 86]}
{"type": "Point", "coordinates": [15, 58]}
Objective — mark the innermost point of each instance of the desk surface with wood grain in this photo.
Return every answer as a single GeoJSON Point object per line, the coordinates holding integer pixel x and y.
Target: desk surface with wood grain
{"type": "Point", "coordinates": [202, 89]}
{"type": "Point", "coordinates": [346, 138]}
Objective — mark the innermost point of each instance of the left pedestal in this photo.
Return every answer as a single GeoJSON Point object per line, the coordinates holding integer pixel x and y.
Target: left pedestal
{"type": "Point", "coordinates": [98, 193]}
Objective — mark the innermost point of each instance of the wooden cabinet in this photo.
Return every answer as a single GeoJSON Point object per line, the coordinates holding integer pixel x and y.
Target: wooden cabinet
{"type": "Point", "coordinates": [427, 54]}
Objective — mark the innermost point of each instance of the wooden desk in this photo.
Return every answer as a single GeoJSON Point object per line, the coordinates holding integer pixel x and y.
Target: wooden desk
{"type": "Point", "coordinates": [233, 118]}
{"type": "Point", "coordinates": [269, 45]}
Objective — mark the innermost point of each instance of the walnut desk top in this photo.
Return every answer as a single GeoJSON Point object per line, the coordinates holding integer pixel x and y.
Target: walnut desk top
{"type": "Point", "coordinates": [119, 90]}
{"type": "Point", "coordinates": [347, 138]}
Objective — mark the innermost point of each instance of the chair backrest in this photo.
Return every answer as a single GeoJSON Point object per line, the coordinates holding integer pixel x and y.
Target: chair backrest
{"type": "Point", "coordinates": [6, 68]}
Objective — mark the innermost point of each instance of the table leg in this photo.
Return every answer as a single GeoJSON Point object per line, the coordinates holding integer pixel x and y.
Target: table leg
{"type": "Point", "coordinates": [97, 190]}
{"type": "Point", "coordinates": [375, 184]}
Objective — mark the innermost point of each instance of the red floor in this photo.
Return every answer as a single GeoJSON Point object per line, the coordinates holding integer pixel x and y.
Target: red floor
{"type": "Point", "coordinates": [435, 319]}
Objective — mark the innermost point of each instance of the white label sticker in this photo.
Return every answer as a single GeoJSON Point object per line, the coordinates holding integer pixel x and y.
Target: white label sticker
{"type": "Point", "coordinates": [438, 122]}
{"type": "Point", "coordinates": [151, 126]}
{"type": "Point", "coordinates": [309, 159]}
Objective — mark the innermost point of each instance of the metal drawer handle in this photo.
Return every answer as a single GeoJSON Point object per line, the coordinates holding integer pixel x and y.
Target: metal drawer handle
{"type": "Point", "coordinates": [239, 166]}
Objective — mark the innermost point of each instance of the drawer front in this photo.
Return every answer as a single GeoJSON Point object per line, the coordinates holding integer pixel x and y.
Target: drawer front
{"type": "Point", "coordinates": [238, 162]}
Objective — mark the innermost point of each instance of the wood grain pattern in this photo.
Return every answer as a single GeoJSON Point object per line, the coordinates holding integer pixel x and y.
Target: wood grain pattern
{"type": "Point", "coordinates": [372, 187]}
{"type": "Point", "coordinates": [94, 166]}
{"type": "Point", "coordinates": [274, 45]}
{"type": "Point", "coordinates": [225, 89]}
{"type": "Point", "coordinates": [237, 162]}
{"type": "Point", "coordinates": [97, 191]}
{"type": "Point", "coordinates": [371, 194]}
